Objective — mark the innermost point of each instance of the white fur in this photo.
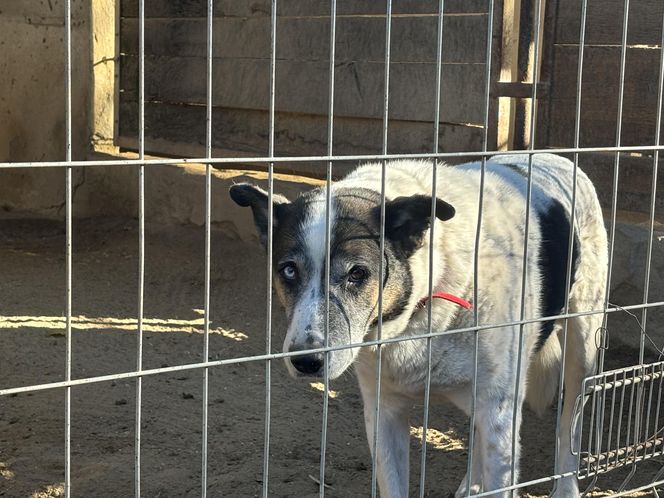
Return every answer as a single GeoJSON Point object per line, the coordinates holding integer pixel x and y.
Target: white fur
{"type": "Point", "coordinates": [499, 298]}
{"type": "Point", "coordinates": [314, 230]}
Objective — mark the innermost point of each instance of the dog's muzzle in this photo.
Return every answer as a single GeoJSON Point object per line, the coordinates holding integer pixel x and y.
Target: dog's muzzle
{"type": "Point", "coordinates": [308, 364]}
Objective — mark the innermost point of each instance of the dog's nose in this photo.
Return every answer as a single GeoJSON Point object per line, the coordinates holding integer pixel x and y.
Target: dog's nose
{"type": "Point", "coordinates": [309, 364]}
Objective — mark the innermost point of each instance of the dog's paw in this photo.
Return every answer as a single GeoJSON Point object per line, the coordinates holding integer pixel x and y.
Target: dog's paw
{"type": "Point", "coordinates": [462, 491]}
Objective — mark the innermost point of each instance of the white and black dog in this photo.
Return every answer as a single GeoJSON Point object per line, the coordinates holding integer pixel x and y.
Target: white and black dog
{"type": "Point", "coordinates": [299, 256]}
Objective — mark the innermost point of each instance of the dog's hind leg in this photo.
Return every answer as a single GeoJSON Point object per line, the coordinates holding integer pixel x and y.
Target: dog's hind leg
{"type": "Point", "coordinates": [579, 362]}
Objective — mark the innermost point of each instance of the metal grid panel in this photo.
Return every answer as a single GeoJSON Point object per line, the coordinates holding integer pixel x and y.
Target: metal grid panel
{"type": "Point", "coordinates": [627, 400]}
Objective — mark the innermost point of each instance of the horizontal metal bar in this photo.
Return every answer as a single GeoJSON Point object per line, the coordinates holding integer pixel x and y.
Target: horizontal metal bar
{"type": "Point", "coordinates": [646, 487]}
{"type": "Point", "coordinates": [625, 453]}
{"type": "Point", "coordinates": [272, 356]}
{"type": "Point", "coordinates": [324, 158]}
{"type": "Point", "coordinates": [627, 382]}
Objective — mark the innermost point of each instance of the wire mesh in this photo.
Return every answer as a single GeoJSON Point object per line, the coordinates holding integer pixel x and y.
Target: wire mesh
{"type": "Point", "coordinates": [635, 432]}
{"type": "Point", "coordinates": [626, 401]}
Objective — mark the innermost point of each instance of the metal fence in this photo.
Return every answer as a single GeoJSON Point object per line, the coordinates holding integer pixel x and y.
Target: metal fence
{"type": "Point", "coordinates": [636, 392]}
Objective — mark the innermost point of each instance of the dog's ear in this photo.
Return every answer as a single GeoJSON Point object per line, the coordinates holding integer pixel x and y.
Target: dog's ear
{"type": "Point", "coordinates": [247, 195]}
{"type": "Point", "coordinates": [408, 218]}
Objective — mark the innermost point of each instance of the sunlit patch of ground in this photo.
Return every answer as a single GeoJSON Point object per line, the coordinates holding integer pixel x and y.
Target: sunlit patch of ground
{"type": "Point", "coordinates": [439, 440]}
{"type": "Point", "coordinates": [81, 322]}
{"type": "Point", "coordinates": [635, 494]}
{"type": "Point", "coordinates": [601, 494]}
{"type": "Point", "coordinates": [319, 386]}
{"type": "Point", "coordinates": [50, 491]}
{"type": "Point", "coordinates": [5, 472]}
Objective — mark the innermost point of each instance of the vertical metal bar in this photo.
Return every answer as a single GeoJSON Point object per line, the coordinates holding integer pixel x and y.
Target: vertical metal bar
{"type": "Point", "coordinates": [653, 195]}
{"type": "Point", "coordinates": [601, 416]}
{"type": "Point", "coordinates": [613, 406]}
{"type": "Point", "coordinates": [659, 404]}
{"type": "Point", "coordinates": [647, 424]}
{"type": "Point", "coordinates": [614, 209]}
{"type": "Point", "coordinates": [141, 240]}
{"type": "Point", "coordinates": [270, 226]}
{"type": "Point", "coordinates": [524, 267]}
{"type": "Point", "coordinates": [570, 242]}
{"type": "Point", "coordinates": [614, 202]}
{"type": "Point", "coordinates": [631, 409]}
{"type": "Point", "coordinates": [432, 235]}
{"type": "Point", "coordinates": [68, 244]}
{"type": "Point", "coordinates": [653, 199]}
{"type": "Point", "coordinates": [478, 235]}
{"type": "Point", "coordinates": [620, 416]}
{"type": "Point", "coordinates": [208, 222]}
{"type": "Point", "coordinates": [381, 269]}
{"type": "Point", "coordinates": [593, 412]}
{"type": "Point", "coordinates": [328, 242]}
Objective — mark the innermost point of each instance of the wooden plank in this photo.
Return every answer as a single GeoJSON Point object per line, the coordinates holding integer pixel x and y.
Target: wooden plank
{"type": "Point", "coordinates": [261, 8]}
{"type": "Point", "coordinates": [604, 22]}
{"type": "Point", "coordinates": [599, 100]}
{"type": "Point", "coordinates": [496, 57]}
{"type": "Point", "coordinates": [180, 130]}
{"type": "Point", "coordinates": [414, 39]}
{"type": "Point", "coordinates": [302, 87]}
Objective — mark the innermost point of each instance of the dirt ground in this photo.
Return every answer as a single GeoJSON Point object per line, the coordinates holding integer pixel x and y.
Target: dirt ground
{"type": "Point", "coordinates": [104, 340]}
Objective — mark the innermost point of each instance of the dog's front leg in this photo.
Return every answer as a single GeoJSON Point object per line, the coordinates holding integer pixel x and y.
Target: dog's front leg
{"type": "Point", "coordinates": [393, 440]}
{"type": "Point", "coordinates": [494, 422]}
{"type": "Point", "coordinates": [475, 471]}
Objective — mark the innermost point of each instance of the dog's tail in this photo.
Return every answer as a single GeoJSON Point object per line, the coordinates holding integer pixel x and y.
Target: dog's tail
{"type": "Point", "coordinates": [543, 375]}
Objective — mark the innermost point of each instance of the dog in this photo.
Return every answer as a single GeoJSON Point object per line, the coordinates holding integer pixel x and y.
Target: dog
{"type": "Point", "coordinates": [514, 363]}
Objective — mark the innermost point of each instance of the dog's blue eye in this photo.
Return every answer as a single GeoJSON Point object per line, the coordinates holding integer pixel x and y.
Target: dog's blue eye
{"type": "Point", "coordinates": [289, 272]}
{"type": "Point", "coordinates": [357, 275]}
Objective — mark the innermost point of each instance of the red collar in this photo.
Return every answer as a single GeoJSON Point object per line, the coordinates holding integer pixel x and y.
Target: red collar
{"type": "Point", "coordinates": [448, 297]}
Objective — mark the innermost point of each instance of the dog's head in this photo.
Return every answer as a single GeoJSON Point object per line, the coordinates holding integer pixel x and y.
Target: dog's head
{"type": "Point", "coordinates": [299, 262]}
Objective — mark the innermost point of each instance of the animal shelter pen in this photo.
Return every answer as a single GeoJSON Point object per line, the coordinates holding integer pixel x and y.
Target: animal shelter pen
{"type": "Point", "coordinates": [621, 418]}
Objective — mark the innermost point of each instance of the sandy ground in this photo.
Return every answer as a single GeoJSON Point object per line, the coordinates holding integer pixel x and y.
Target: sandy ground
{"type": "Point", "coordinates": [104, 341]}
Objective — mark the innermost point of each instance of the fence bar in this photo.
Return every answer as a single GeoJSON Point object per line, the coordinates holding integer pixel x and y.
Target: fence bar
{"type": "Point", "coordinates": [381, 268]}
{"type": "Point", "coordinates": [208, 222]}
{"type": "Point", "coordinates": [517, 407]}
{"type": "Point", "coordinates": [141, 242]}
{"type": "Point", "coordinates": [653, 204]}
{"type": "Point", "coordinates": [478, 234]}
{"type": "Point", "coordinates": [570, 242]}
{"type": "Point", "coordinates": [68, 244]}
{"type": "Point", "coordinates": [614, 210]}
{"type": "Point", "coordinates": [613, 405]}
{"type": "Point", "coordinates": [325, 158]}
{"type": "Point", "coordinates": [270, 237]}
{"type": "Point", "coordinates": [432, 236]}
{"type": "Point", "coordinates": [328, 243]}
{"type": "Point", "coordinates": [659, 404]}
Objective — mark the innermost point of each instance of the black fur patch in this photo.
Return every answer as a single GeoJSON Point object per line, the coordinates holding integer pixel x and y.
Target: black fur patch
{"type": "Point", "coordinates": [355, 225]}
{"type": "Point", "coordinates": [555, 231]}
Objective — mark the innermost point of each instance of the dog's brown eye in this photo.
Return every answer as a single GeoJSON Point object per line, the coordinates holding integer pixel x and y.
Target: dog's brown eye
{"type": "Point", "coordinates": [288, 271]}
{"type": "Point", "coordinates": [357, 275]}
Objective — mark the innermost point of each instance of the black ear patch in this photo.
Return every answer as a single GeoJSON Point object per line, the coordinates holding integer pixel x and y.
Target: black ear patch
{"type": "Point", "coordinates": [247, 195]}
{"type": "Point", "coordinates": [408, 218]}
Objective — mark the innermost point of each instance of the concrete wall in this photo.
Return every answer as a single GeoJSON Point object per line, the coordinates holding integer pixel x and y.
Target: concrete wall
{"type": "Point", "coordinates": [32, 95]}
